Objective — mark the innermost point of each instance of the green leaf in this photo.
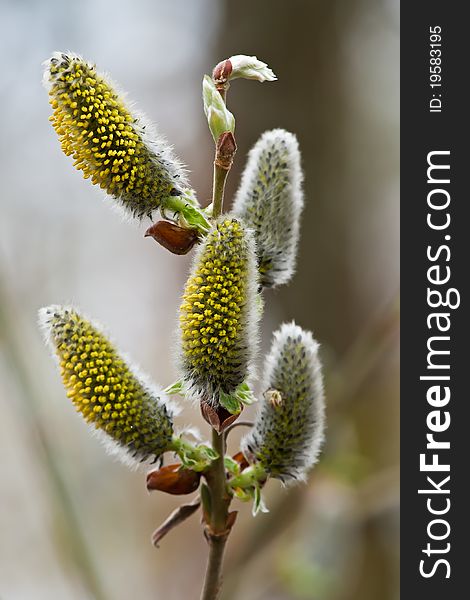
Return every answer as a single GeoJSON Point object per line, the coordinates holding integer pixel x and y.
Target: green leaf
{"type": "Point", "coordinates": [187, 462]}
{"type": "Point", "coordinates": [208, 451]}
{"type": "Point", "coordinates": [258, 504]}
{"type": "Point", "coordinates": [174, 388]}
{"type": "Point", "coordinates": [230, 403]}
{"type": "Point", "coordinates": [194, 217]}
{"type": "Point", "coordinates": [231, 465]}
{"type": "Point", "coordinates": [206, 499]}
{"type": "Point", "coordinates": [197, 458]}
{"type": "Point", "coordinates": [244, 394]}
{"type": "Point", "coordinates": [241, 494]}
{"type": "Point", "coordinates": [186, 211]}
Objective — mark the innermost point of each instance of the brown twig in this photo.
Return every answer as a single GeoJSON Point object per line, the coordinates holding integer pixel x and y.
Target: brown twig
{"type": "Point", "coordinates": [237, 424]}
{"type": "Point", "coordinates": [218, 529]}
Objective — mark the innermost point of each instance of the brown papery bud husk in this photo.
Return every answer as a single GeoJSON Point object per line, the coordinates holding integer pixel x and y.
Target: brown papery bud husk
{"type": "Point", "coordinates": [178, 240]}
{"type": "Point", "coordinates": [239, 457]}
{"type": "Point", "coordinates": [173, 479]}
{"type": "Point", "coordinates": [226, 148]}
{"type": "Point", "coordinates": [218, 417]}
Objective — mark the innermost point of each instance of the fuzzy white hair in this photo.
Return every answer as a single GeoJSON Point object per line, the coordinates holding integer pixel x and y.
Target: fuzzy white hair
{"type": "Point", "coordinates": [287, 435]}
{"type": "Point", "coordinates": [270, 201]}
{"type": "Point", "coordinates": [247, 344]}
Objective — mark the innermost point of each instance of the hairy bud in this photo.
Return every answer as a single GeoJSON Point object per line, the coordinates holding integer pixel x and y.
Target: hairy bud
{"type": "Point", "coordinates": [218, 313]}
{"type": "Point", "coordinates": [219, 118]}
{"type": "Point", "coordinates": [105, 389]}
{"type": "Point", "coordinates": [110, 144]}
{"type": "Point", "coordinates": [288, 431]}
{"type": "Point", "coordinates": [270, 201]}
{"type": "Point", "coordinates": [246, 67]}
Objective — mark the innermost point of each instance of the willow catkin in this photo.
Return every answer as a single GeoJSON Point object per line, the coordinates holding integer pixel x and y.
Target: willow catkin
{"type": "Point", "coordinates": [270, 201]}
{"type": "Point", "coordinates": [112, 145]}
{"type": "Point", "coordinates": [218, 315]}
{"type": "Point", "coordinates": [105, 389]}
{"type": "Point", "coordinates": [288, 431]}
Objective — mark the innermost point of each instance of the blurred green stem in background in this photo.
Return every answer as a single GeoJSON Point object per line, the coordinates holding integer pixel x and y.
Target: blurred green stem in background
{"type": "Point", "coordinates": [58, 490]}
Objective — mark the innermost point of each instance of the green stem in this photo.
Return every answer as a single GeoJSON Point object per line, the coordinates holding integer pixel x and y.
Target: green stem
{"type": "Point", "coordinates": [220, 176]}
{"type": "Point", "coordinates": [218, 485]}
{"type": "Point", "coordinates": [213, 579]}
{"type": "Point", "coordinates": [217, 530]}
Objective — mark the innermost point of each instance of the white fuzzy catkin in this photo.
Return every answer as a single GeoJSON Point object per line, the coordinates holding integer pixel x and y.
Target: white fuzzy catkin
{"type": "Point", "coordinates": [129, 414]}
{"type": "Point", "coordinates": [270, 200]}
{"type": "Point", "coordinates": [288, 431]}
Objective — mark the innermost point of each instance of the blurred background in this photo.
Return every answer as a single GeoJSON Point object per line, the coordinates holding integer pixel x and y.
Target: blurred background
{"type": "Point", "coordinates": [75, 524]}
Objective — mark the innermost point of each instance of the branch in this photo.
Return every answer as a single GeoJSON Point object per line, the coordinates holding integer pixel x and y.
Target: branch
{"type": "Point", "coordinates": [224, 154]}
{"type": "Point", "coordinates": [218, 529]}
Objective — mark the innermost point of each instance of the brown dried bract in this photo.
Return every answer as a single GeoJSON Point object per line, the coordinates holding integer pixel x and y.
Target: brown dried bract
{"type": "Point", "coordinates": [239, 457]}
{"type": "Point", "coordinates": [219, 418]}
{"type": "Point", "coordinates": [226, 148]}
{"type": "Point", "coordinates": [178, 516]}
{"type": "Point", "coordinates": [178, 240]}
{"type": "Point", "coordinates": [173, 479]}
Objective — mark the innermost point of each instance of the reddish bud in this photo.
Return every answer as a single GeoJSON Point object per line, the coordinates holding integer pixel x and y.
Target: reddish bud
{"type": "Point", "coordinates": [178, 240]}
{"type": "Point", "coordinates": [222, 71]}
{"type": "Point", "coordinates": [173, 479]}
{"type": "Point", "coordinates": [226, 148]}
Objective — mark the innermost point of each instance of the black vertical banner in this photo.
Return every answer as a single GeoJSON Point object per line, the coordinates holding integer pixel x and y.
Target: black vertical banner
{"type": "Point", "coordinates": [435, 268]}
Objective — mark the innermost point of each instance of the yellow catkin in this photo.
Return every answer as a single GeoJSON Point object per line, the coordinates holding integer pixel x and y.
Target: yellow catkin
{"type": "Point", "coordinates": [108, 143]}
{"type": "Point", "coordinates": [217, 315]}
{"type": "Point", "coordinates": [103, 387]}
